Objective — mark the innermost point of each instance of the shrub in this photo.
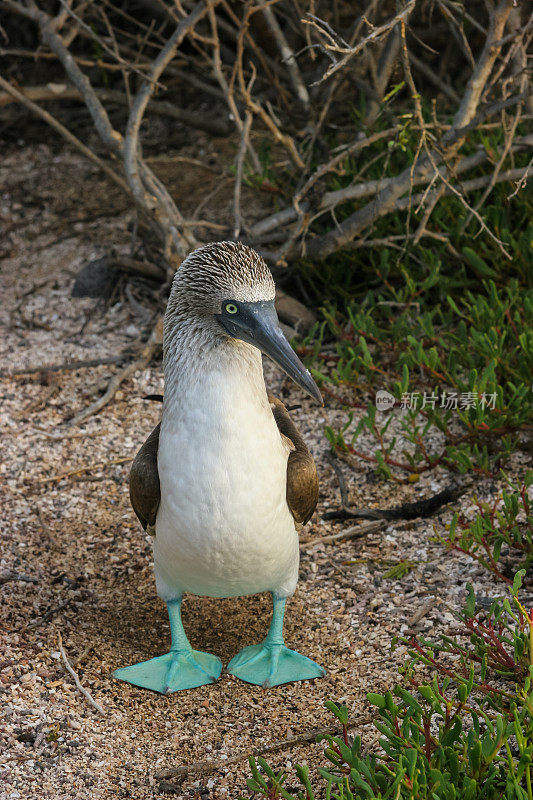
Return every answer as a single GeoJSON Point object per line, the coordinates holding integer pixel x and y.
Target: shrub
{"type": "Point", "coordinates": [459, 373]}
{"type": "Point", "coordinates": [501, 530]}
{"type": "Point", "coordinates": [465, 734]}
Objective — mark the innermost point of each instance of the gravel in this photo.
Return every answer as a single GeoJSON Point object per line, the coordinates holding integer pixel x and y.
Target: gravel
{"type": "Point", "coordinates": [75, 562]}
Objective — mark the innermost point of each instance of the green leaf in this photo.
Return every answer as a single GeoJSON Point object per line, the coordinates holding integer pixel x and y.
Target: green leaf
{"type": "Point", "coordinates": [470, 605]}
{"type": "Point", "coordinates": [517, 582]}
{"type": "Point", "coordinates": [376, 699]}
{"type": "Point", "coordinates": [477, 263]}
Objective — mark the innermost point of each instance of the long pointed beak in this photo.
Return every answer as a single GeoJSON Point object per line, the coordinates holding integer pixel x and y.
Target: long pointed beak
{"type": "Point", "coordinates": [258, 325]}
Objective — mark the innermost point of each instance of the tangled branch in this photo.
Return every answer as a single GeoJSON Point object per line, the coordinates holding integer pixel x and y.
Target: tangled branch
{"type": "Point", "coordinates": [277, 77]}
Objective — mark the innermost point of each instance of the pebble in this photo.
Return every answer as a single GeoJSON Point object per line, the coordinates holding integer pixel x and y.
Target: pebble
{"type": "Point", "coordinates": [114, 606]}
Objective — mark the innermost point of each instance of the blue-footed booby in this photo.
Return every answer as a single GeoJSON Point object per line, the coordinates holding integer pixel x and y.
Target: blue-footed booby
{"type": "Point", "coordinates": [225, 479]}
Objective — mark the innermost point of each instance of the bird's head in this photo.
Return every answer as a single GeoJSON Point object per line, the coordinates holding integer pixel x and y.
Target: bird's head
{"type": "Point", "coordinates": [227, 287]}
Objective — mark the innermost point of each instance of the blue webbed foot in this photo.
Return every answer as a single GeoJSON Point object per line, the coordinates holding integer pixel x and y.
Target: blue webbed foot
{"type": "Point", "coordinates": [181, 668]}
{"type": "Point", "coordinates": [173, 672]}
{"type": "Point", "coordinates": [272, 664]}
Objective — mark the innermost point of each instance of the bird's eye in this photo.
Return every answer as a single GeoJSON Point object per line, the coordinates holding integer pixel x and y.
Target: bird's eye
{"type": "Point", "coordinates": [231, 308]}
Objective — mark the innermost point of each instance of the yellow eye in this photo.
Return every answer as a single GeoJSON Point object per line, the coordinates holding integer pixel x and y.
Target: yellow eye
{"type": "Point", "coordinates": [231, 308]}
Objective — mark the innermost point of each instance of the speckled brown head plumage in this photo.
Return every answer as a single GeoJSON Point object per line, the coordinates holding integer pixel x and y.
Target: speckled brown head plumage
{"type": "Point", "coordinates": [222, 271]}
{"type": "Point", "coordinates": [222, 299]}
{"type": "Point", "coordinates": [210, 275]}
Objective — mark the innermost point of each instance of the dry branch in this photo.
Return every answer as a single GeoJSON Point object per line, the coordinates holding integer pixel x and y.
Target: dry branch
{"type": "Point", "coordinates": [9, 577]}
{"type": "Point", "coordinates": [147, 189]}
{"type": "Point", "coordinates": [150, 348]}
{"type": "Point", "coordinates": [348, 53]}
{"type": "Point", "coordinates": [287, 54]}
{"type": "Point", "coordinates": [87, 468]}
{"type": "Point", "coordinates": [472, 185]}
{"type": "Point", "coordinates": [385, 67]}
{"type": "Point", "coordinates": [228, 88]}
{"type": "Point", "coordinates": [65, 133]}
{"type": "Point", "coordinates": [245, 136]}
{"type": "Point", "coordinates": [385, 200]}
{"type": "Point", "coordinates": [358, 191]}
{"type": "Point", "coordinates": [509, 135]}
{"type": "Point", "coordinates": [148, 192]}
{"type": "Point", "coordinates": [432, 76]}
{"type": "Point", "coordinates": [69, 365]}
{"type": "Point", "coordinates": [270, 65]}
{"type": "Point", "coordinates": [76, 679]}
{"type": "Point", "coordinates": [349, 533]}
{"type": "Point", "coordinates": [207, 767]}
{"type": "Point", "coordinates": [54, 92]}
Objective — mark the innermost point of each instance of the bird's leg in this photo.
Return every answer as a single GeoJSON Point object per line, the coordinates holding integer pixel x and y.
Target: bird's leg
{"type": "Point", "coordinates": [179, 642]}
{"type": "Point", "coordinates": [181, 668]}
{"type": "Point", "coordinates": [271, 662]}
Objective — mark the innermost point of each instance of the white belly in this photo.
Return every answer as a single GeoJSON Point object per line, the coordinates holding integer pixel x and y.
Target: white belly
{"type": "Point", "coordinates": [223, 527]}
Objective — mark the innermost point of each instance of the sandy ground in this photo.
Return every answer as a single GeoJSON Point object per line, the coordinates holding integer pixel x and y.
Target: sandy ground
{"type": "Point", "coordinates": [76, 564]}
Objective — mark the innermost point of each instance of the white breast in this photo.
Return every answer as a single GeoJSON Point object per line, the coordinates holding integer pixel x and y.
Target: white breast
{"type": "Point", "coordinates": [223, 527]}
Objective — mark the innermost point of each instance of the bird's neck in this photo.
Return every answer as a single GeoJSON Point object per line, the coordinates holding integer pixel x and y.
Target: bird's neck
{"type": "Point", "coordinates": [203, 368]}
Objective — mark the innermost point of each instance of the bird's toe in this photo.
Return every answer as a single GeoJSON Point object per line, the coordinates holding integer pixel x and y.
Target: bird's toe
{"type": "Point", "coordinates": [267, 666]}
{"type": "Point", "coordinates": [173, 672]}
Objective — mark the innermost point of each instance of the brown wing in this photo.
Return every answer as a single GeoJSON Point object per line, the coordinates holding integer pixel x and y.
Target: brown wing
{"type": "Point", "coordinates": [302, 478]}
{"type": "Point", "coordinates": [145, 491]}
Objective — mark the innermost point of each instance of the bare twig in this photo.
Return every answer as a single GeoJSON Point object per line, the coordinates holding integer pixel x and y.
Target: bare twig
{"type": "Point", "coordinates": [387, 198]}
{"type": "Point", "coordinates": [360, 190]}
{"type": "Point", "coordinates": [227, 88]}
{"type": "Point", "coordinates": [357, 191]}
{"type": "Point", "coordinates": [11, 577]}
{"type": "Point", "coordinates": [432, 159]}
{"type": "Point", "coordinates": [148, 192]}
{"type": "Point", "coordinates": [110, 51]}
{"type": "Point", "coordinates": [245, 134]}
{"type": "Point", "coordinates": [385, 67]}
{"type": "Point", "coordinates": [509, 135]}
{"type": "Point", "coordinates": [137, 267]}
{"type": "Point", "coordinates": [288, 215]}
{"type": "Point", "coordinates": [349, 533]}
{"type": "Point", "coordinates": [287, 54]}
{"type": "Point", "coordinates": [457, 31]}
{"type": "Point", "coordinates": [79, 470]}
{"type": "Point", "coordinates": [212, 125]}
{"type": "Point", "coordinates": [206, 767]}
{"type": "Point", "coordinates": [248, 32]}
{"type": "Point", "coordinates": [517, 174]}
{"type": "Point", "coordinates": [332, 46]}
{"type": "Point", "coordinates": [65, 133]}
{"type": "Point", "coordinates": [68, 365]}
{"type": "Point", "coordinates": [522, 181]}
{"type": "Point", "coordinates": [427, 213]}
{"type": "Point", "coordinates": [82, 62]}
{"type": "Point", "coordinates": [337, 82]}
{"type": "Point", "coordinates": [111, 137]}
{"type": "Point", "coordinates": [142, 180]}
{"type": "Point", "coordinates": [147, 352]}
{"type": "Point", "coordinates": [466, 187]}
{"type": "Point", "coordinates": [491, 50]}
{"type": "Point", "coordinates": [74, 675]}
{"type": "Point", "coordinates": [432, 76]}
